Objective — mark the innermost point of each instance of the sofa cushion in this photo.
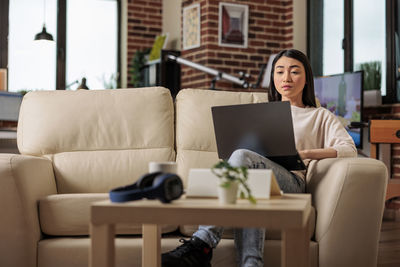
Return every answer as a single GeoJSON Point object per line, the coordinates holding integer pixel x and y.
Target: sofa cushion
{"type": "Point", "coordinates": [98, 139]}
{"type": "Point", "coordinates": [195, 138]}
{"type": "Point", "coordinates": [69, 215]}
{"type": "Point", "coordinates": [100, 171]}
{"type": "Point", "coordinates": [188, 230]}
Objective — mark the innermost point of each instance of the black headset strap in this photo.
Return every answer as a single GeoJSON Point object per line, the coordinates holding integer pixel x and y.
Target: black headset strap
{"type": "Point", "coordinates": [126, 193]}
{"type": "Point", "coordinates": [146, 190]}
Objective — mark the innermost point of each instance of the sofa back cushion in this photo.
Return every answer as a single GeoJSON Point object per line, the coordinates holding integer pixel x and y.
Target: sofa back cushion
{"type": "Point", "coordinates": [69, 215]}
{"type": "Point", "coordinates": [98, 139]}
{"type": "Point", "coordinates": [195, 139]}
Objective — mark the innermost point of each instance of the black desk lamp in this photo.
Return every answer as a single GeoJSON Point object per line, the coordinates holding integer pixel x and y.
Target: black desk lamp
{"type": "Point", "coordinates": [83, 84]}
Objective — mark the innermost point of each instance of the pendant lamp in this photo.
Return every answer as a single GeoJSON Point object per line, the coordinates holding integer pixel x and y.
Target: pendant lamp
{"type": "Point", "coordinates": [44, 35]}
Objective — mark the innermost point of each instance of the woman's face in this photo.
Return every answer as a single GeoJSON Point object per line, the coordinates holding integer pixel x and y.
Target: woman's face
{"type": "Point", "coordinates": [290, 79]}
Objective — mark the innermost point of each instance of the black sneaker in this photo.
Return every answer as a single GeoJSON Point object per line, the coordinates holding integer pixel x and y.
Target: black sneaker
{"type": "Point", "coordinates": [193, 253]}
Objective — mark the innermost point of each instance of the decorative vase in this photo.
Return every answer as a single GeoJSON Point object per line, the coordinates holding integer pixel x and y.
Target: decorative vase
{"type": "Point", "coordinates": [228, 195]}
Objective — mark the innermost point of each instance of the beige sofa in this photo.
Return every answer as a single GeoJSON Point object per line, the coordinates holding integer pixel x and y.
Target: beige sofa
{"type": "Point", "coordinates": [77, 145]}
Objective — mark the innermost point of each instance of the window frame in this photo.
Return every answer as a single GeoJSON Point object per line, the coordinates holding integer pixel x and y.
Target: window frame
{"type": "Point", "coordinates": [391, 91]}
{"type": "Point", "coordinates": [60, 42]}
{"type": "Point", "coordinates": [314, 42]}
{"type": "Point", "coordinates": [4, 7]}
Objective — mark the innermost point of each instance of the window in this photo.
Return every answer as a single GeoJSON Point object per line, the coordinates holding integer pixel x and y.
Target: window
{"type": "Point", "coordinates": [31, 64]}
{"type": "Point", "coordinates": [344, 34]}
{"type": "Point", "coordinates": [97, 63]}
{"type": "Point", "coordinates": [333, 27]}
{"type": "Point", "coordinates": [369, 40]}
{"type": "Point", "coordinates": [396, 48]}
{"type": "Point", "coordinates": [87, 43]}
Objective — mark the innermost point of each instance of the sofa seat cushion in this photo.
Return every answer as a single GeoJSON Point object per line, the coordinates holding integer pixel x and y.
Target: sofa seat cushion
{"type": "Point", "coordinates": [188, 230]}
{"type": "Point", "coordinates": [69, 215]}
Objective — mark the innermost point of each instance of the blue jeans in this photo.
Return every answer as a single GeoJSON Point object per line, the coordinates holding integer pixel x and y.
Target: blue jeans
{"type": "Point", "coordinates": [249, 242]}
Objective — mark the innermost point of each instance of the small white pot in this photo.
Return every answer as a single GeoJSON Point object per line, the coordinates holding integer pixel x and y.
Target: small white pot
{"type": "Point", "coordinates": [228, 195]}
{"type": "Point", "coordinates": [372, 98]}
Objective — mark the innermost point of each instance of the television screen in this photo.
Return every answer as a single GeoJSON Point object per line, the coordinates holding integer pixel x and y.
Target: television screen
{"type": "Point", "coordinates": [342, 95]}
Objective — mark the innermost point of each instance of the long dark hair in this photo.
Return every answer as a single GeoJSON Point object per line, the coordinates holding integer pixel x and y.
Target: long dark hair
{"type": "Point", "coordinates": [308, 96]}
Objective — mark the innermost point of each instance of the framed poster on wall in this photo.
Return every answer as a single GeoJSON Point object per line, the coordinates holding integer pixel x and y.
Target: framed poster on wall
{"type": "Point", "coordinates": [191, 27]}
{"type": "Point", "coordinates": [233, 25]}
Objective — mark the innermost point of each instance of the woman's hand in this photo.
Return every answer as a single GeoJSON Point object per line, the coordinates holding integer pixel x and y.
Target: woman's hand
{"type": "Point", "coordinates": [320, 153]}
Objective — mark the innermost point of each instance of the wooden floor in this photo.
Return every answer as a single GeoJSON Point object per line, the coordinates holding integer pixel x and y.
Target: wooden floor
{"type": "Point", "coordinates": [389, 244]}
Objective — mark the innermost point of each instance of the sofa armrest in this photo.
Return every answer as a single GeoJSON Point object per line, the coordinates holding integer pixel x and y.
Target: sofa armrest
{"type": "Point", "coordinates": [348, 195]}
{"type": "Point", "coordinates": [23, 181]}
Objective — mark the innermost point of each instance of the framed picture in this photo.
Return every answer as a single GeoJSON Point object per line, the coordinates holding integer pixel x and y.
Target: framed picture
{"type": "Point", "coordinates": [191, 27]}
{"type": "Point", "coordinates": [159, 44]}
{"type": "Point", "coordinates": [233, 25]}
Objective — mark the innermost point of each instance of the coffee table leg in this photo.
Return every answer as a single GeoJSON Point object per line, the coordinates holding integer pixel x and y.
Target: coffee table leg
{"type": "Point", "coordinates": [102, 249]}
{"type": "Point", "coordinates": [296, 246]}
{"type": "Point", "coordinates": [151, 252]}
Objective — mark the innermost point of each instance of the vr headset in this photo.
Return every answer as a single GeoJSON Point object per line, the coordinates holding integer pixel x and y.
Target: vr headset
{"type": "Point", "coordinates": [157, 185]}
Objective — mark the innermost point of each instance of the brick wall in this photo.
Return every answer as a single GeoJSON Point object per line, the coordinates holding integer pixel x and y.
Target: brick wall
{"type": "Point", "coordinates": [396, 147]}
{"type": "Point", "coordinates": [144, 24]}
{"type": "Point", "coordinates": [270, 30]}
{"type": "Point", "coordinates": [396, 161]}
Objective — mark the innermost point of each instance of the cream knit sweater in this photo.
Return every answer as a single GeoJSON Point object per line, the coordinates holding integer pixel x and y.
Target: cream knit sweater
{"type": "Point", "coordinates": [319, 128]}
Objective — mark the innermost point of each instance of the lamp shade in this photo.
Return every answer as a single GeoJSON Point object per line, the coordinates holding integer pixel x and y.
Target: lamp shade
{"type": "Point", "coordinates": [44, 35]}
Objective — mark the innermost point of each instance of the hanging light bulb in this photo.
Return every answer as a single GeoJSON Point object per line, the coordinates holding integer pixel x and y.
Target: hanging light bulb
{"type": "Point", "coordinates": [44, 35]}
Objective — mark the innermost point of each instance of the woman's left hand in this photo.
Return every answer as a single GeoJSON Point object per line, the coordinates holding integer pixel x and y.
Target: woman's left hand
{"type": "Point", "coordinates": [319, 153]}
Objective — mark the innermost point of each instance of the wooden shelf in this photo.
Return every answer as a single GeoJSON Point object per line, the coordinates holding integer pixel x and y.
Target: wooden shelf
{"type": "Point", "coordinates": [385, 132]}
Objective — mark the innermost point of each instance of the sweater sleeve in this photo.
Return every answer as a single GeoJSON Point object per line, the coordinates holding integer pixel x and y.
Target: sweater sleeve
{"type": "Point", "coordinates": [336, 137]}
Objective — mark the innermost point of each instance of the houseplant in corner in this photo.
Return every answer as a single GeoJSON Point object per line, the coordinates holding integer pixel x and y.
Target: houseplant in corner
{"type": "Point", "coordinates": [372, 83]}
{"type": "Point", "coordinates": [138, 62]}
{"type": "Point", "coordinates": [232, 179]}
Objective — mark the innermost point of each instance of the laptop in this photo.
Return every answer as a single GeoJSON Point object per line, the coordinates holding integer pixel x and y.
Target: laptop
{"type": "Point", "coordinates": [265, 128]}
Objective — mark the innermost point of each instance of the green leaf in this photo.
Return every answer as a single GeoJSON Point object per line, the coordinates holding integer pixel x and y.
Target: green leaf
{"type": "Point", "coordinates": [228, 174]}
{"type": "Point", "coordinates": [225, 185]}
{"type": "Point", "coordinates": [252, 199]}
{"type": "Point", "coordinates": [372, 74]}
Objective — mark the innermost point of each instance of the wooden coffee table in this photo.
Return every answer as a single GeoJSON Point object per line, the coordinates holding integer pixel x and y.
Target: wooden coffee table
{"type": "Point", "coordinates": [289, 213]}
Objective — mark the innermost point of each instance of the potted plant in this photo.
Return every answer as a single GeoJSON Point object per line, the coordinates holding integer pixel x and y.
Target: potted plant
{"type": "Point", "coordinates": [232, 179]}
{"type": "Point", "coordinates": [138, 62]}
{"type": "Point", "coordinates": [110, 82]}
{"type": "Point", "coordinates": [372, 83]}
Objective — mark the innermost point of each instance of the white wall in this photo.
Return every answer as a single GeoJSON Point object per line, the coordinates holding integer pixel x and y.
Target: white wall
{"type": "Point", "coordinates": [171, 23]}
{"type": "Point", "coordinates": [300, 25]}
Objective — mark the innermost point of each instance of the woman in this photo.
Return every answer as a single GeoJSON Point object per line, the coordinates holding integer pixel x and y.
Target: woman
{"type": "Point", "coordinates": [318, 135]}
